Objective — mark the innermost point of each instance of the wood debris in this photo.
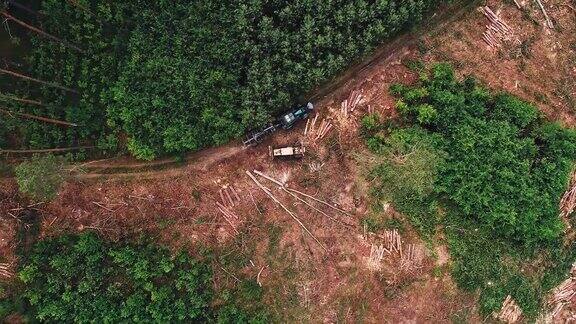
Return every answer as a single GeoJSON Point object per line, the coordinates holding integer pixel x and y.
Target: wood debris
{"type": "Point", "coordinates": [405, 259]}
{"type": "Point", "coordinates": [227, 215]}
{"type": "Point", "coordinates": [258, 276]}
{"type": "Point", "coordinates": [291, 213]}
{"type": "Point", "coordinates": [568, 201]}
{"type": "Point", "coordinates": [497, 31]}
{"type": "Point", "coordinates": [347, 108]}
{"type": "Point", "coordinates": [6, 271]}
{"type": "Point", "coordinates": [561, 302]}
{"type": "Point", "coordinates": [393, 241]}
{"type": "Point", "coordinates": [229, 196]}
{"type": "Point", "coordinates": [349, 105]}
{"type": "Point", "coordinates": [376, 256]}
{"type": "Point", "coordinates": [283, 187]}
{"type": "Point", "coordinates": [412, 258]}
{"type": "Point", "coordinates": [315, 166]}
{"type": "Point", "coordinates": [510, 311]}
{"type": "Point", "coordinates": [317, 133]}
{"type": "Point", "coordinates": [548, 20]}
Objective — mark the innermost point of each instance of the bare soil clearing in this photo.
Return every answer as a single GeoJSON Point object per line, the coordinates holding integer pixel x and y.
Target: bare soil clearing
{"type": "Point", "coordinates": [178, 204]}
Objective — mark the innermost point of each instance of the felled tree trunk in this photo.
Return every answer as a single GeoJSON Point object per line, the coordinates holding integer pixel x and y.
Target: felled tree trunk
{"type": "Point", "coordinates": [23, 100]}
{"type": "Point", "coordinates": [25, 77]}
{"type": "Point", "coordinates": [42, 119]}
{"type": "Point", "coordinates": [41, 32]}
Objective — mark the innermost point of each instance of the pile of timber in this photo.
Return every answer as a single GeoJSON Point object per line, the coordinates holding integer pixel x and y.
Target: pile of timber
{"type": "Point", "coordinates": [409, 258]}
{"type": "Point", "coordinates": [6, 271]}
{"type": "Point", "coordinates": [349, 105]}
{"type": "Point", "coordinates": [317, 133]}
{"type": "Point", "coordinates": [568, 201]}
{"type": "Point", "coordinates": [412, 258]}
{"type": "Point", "coordinates": [229, 196]}
{"type": "Point", "coordinates": [563, 296]}
{"type": "Point", "coordinates": [497, 30]}
{"type": "Point", "coordinates": [510, 311]}
{"type": "Point", "coordinates": [376, 256]}
{"type": "Point", "coordinates": [393, 241]}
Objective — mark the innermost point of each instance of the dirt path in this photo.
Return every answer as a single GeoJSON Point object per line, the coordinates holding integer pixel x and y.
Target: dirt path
{"type": "Point", "coordinates": [200, 161]}
{"type": "Point", "coordinates": [127, 167]}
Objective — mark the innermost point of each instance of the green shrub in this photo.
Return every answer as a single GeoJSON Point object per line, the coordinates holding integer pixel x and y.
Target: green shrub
{"type": "Point", "coordinates": [41, 177]}
{"type": "Point", "coordinates": [407, 173]}
{"type": "Point", "coordinates": [369, 124]}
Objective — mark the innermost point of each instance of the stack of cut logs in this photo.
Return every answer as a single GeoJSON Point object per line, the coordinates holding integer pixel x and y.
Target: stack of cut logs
{"type": "Point", "coordinates": [497, 30]}
{"type": "Point", "coordinates": [349, 105]}
{"type": "Point", "coordinates": [568, 202]}
{"type": "Point", "coordinates": [563, 296]}
{"type": "Point", "coordinates": [229, 199]}
{"type": "Point", "coordinates": [510, 311]}
{"type": "Point", "coordinates": [393, 241]}
{"type": "Point", "coordinates": [410, 258]}
{"type": "Point", "coordinates": [317, 133]}
{"type": "Point", "coordinates": [6, 271]}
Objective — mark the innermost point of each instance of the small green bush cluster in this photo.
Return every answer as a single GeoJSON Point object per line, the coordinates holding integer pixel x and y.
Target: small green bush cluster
{"type": "Point", "coordinates": [85, 279]}
{"type": "Point", "coordinates": [491, 169]}
{"type": "Point", "coordinates": [176, 76]}
{"type": "Point", "coordinates": [41, 177]}
{"type": "Point", "coordinates": [407, 174]}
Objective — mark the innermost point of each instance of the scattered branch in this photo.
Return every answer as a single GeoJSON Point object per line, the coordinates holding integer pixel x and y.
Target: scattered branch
{"type": "Point", "coordinates": [267, 192]}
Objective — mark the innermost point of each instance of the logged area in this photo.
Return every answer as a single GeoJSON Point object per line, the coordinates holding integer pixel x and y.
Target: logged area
{"type": "Point", "coordinates": [433, 180]}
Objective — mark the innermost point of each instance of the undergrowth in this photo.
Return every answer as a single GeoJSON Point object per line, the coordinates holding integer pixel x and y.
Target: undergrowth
{"type": "Point", "coordinates": [487, 169]}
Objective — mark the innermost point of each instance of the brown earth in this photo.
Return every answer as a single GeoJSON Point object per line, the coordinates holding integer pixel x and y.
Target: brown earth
{"type": "Point", "coordinates": [303, 281]}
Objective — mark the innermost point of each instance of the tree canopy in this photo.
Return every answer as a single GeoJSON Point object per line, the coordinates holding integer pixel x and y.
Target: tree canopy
{"type": "Point", "coordinates": [506, 166]}
{"type": "Point", "coordinates": [83, 278]}
{"type": "Point", "coordinates": [179, 76]}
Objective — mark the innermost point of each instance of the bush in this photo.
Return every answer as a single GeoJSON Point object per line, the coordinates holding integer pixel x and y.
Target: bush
{"type": "Point", "coordinates": [498, 157]}
{"type": "Point", "coordinates": [41, 177]}
{"type": "Point", "coordinates": [502, 172]}
{"type": "Point", "coordinates": [407, 173]}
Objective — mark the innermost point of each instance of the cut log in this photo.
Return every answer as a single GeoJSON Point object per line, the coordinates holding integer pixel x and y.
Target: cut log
{"type": "Point", "coordinates": [548, 20]}
{"type": "Point", "coordinates": [283, 187]}
{"type": "Point", "coordinates": [269, 194]}
{"type": "Point", "coordinates": [25, 77]}
{"type": "Point", "coordinates": [42, 119]}
{"type": "Point", "coordinates": [41, 32]}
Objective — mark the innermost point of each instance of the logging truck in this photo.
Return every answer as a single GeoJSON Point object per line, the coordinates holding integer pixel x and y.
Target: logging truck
{"type": "Point", "coordinates": [286, 121]}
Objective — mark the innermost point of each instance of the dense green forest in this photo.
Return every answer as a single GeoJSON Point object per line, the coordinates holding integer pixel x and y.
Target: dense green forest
{"type": "Point", "coordinates": [82, 278]}
{"type": "Point", "coordinates": [166, 77]}
{"type": "Point", "coordinates": [490, 171]}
